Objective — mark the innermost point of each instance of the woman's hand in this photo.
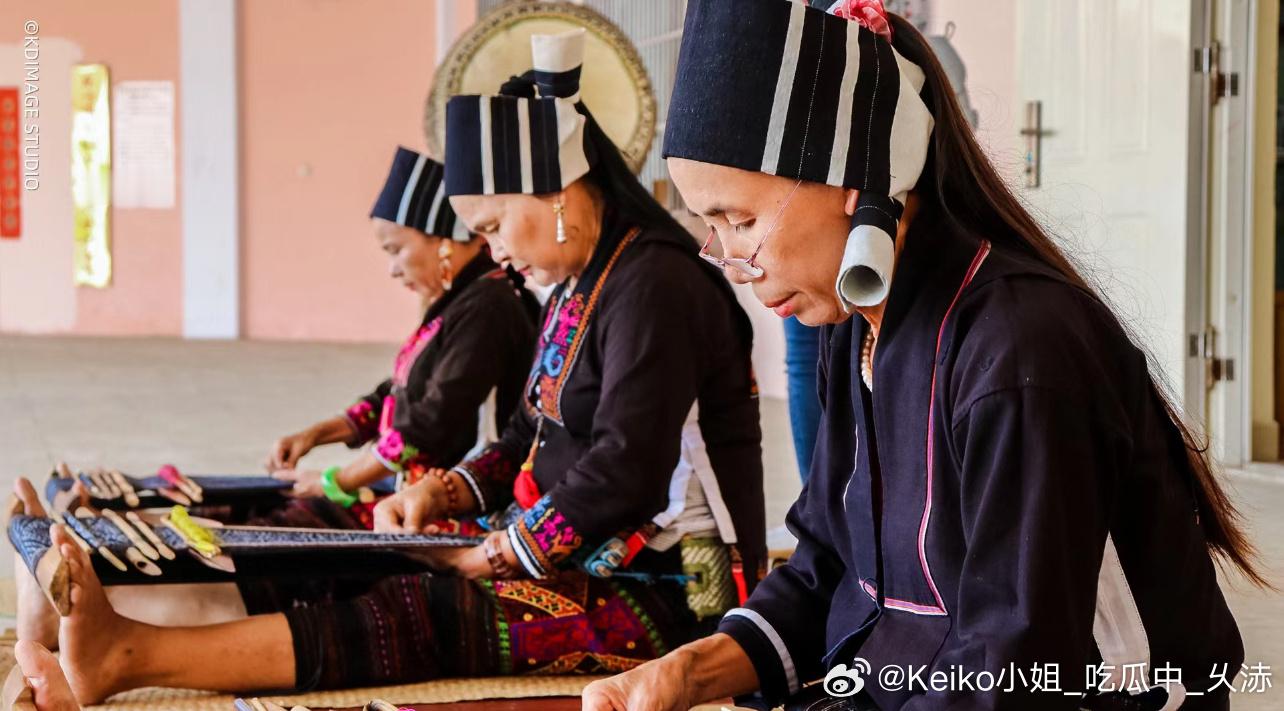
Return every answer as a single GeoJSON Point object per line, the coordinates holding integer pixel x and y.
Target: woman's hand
{"type": "Point", "coordinates": [287, 451]}
{"type": "Point", "coordinates": [307, 482]}
{"type": "Point", "coordinates": [707, 669]}
{"type": "Point", "coordinates": [659, 685]}
{"type": "Point", "coordinates": [413, 509]}
{"type": "Point", "coordinates": [469, 562]}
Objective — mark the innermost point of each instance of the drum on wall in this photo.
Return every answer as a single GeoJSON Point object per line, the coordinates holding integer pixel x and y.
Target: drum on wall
{"type": "Point", "coordinates": [614, 84]}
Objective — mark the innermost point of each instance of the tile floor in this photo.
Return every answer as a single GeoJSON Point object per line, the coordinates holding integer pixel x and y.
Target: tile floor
{"type": "Point", "coordinates": [217, 406]}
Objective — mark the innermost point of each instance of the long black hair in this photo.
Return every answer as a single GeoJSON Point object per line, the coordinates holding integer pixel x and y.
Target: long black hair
{"type": "Point", "coordinates": [960, 181]}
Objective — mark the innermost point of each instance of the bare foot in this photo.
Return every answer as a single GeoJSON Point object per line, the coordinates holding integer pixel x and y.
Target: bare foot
{"type": "Point", "coordinates": [37, 619]}
{"type": "Point", "coordinates": [98, 645]}
{"type": "Point", "coordinates": [45, 677]}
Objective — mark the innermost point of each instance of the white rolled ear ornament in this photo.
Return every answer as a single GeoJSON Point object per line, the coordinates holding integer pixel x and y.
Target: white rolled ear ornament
{"type": "Point", "coordinates": [865, 272]}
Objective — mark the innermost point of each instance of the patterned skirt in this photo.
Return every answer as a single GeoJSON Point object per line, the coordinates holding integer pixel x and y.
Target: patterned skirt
{"type": "Point", "coordinates": [350, 630]}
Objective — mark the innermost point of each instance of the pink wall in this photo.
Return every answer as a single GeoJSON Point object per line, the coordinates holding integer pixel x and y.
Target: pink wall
{"type": "Point", "coordinates": [987, 43]}
{"type": "Point", "coordinates": [328, 89]}
{"type": "Point", "coordinates": [137, 40]}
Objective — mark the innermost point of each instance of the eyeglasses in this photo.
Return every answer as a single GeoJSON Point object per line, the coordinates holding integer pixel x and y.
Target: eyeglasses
{"type": "Point", "coordinates": [749, 267]}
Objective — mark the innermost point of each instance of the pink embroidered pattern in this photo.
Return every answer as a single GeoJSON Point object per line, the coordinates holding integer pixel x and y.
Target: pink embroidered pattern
{"type": "Point", "coordinates": [364, 419]}
{"type": "Point", "coordinates": [394, 451]}
{"type": "Point", "coordinates": [562, 335]}
{"type": "Point", "coordinates": [411, 349]}
{"type": "Point", "coordinates": [547, 535]}
{"type": "Point", "coordinates": [565, 324]}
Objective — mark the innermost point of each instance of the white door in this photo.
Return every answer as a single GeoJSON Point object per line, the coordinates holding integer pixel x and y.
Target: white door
{"type": "Point", "coordinates": [1230, 62]}
{"type": "Point", "coordinates": [1113, 80]}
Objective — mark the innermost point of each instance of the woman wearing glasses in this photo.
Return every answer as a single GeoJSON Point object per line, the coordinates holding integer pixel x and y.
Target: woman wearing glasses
{"type": "Point", "coordinates": [1003, 502]}
{"type": "Point", "coordinates": [624, 499]}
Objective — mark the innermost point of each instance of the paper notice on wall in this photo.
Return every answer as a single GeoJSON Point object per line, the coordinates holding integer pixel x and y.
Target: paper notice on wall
{"type": "Point", "coordinates": [144, 141]}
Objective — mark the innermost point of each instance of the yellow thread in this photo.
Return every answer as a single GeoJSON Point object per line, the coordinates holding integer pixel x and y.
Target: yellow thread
{"type": "Point", "coordinates": [205, 541]}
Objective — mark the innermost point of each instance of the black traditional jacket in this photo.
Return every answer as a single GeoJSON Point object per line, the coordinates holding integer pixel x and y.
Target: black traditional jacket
{"type": "Point", "coordinates": [1011, 498]}
{"type": "Point", "coordinates": [642, 374]}
{"type": "Point", "coordinates": [475, 341]}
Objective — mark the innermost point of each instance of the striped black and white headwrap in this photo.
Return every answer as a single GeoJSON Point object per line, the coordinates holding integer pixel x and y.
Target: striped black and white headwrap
{"type": "Point", "coordinates": [414, 196]}
{"type": "Point", "coordinates": [522, 144]}
{"type": "Point", "coordinates": [779, 87]}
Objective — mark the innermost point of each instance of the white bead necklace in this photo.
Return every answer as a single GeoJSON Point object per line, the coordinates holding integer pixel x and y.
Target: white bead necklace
{"type": "Point", "coordinates": [867, 359]}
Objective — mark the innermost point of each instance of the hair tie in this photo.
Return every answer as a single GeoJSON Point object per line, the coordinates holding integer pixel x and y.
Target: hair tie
{"type": "Point", "coordinates": [522, 87]}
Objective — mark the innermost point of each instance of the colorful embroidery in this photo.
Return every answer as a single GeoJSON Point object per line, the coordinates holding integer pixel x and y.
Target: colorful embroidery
{"type": "Point", "coordinates": [489, 474]}
{"type": "Point", "coordinates": [543, 537]}
{"type": "Point", "coordinates": [503, 634]}
{"type": "Point", "coordinates": [609, 633]}
{"type": "Point", "coordinates": [652, 632]}
{"type": "Point", "coordinates": [409, 628]}
{"type": "Point", "coordinates": [394, 452]}
{"type": "Point", "coordinates": [364, 420]}
{"type": "Point", "coordinates": [563, 325]}
{"type": "Point", "coordinates": [563, 334]}
{"type": "Point", "coordinates": [411, 349]}
{"type": "Point", "coordinates": [543, 599]}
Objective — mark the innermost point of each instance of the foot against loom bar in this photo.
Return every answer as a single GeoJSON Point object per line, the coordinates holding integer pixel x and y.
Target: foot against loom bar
{"type": "Point", "coordinates": [41, 597]}
{"type": "Point", "coordinates": [98, 645]}
{"type": "Point", "coordinates": [37, 682]}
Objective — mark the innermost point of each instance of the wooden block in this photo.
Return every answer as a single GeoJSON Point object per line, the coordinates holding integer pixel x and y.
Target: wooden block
{"type": "Point", "coordinates": [54, 579]}
{"type": "Point", "coordinates": [17, 696]}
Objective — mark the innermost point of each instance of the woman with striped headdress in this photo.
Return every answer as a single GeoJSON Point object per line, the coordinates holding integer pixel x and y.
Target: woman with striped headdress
{"type": "Point", "coordinates": [1001, 496]}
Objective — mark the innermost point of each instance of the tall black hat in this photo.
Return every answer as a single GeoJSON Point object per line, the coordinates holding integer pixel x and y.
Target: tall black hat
{"type": "Point", "coordinates": [522, 144]}
{"type": "Point", "coordinates": [414, 196]}
{"type": "Point", "coordinates": [783, 88]}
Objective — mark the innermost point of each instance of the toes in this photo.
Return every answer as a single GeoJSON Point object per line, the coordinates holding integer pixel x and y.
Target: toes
{"type": "Point", "coordinates": [75, 556]}
{"type": "Point", "coordinates": [30, 499]}
{"type": "Point", "coordinates": [82, 580]}
{"type": "Point", "coordinates": [59, 536]}
{"type": "Point", "coordinates": [46, 678]}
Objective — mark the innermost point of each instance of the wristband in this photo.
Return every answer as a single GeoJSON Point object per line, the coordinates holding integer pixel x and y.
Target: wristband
{"type": "Point", "coordinates": [452, 494]}
{"type": "Point", "coordinates": [495, 556]}
{"type": "Point", "coordinates": [333, 491]}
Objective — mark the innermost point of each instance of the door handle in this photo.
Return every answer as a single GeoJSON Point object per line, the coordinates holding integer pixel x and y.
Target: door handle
{"type": "Point", "coordinates": [1034, 133]}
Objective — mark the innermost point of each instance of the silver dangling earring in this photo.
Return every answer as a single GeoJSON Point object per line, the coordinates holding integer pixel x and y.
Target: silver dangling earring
{"type": "Point", "coordinates": [558, 209]}
{"type": "Point", "coordinates": [444, 253]}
